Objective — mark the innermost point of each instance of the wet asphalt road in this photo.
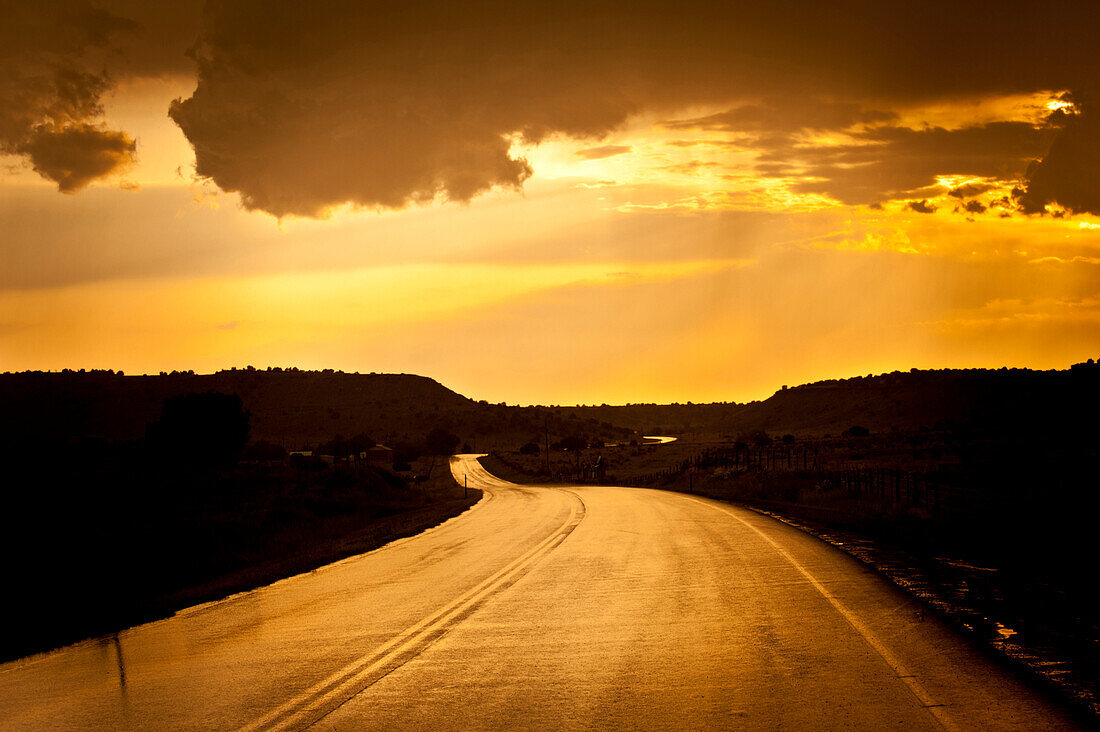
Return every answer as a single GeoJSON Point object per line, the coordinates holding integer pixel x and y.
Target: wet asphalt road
{"type": "Point", "coordinates": [544, 608]}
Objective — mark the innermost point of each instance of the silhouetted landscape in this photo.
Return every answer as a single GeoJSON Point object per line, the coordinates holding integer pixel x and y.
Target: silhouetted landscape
{"type": "Point", "coordinates": [143, 494]}
{"type": "Point", "coordinates": [549, 365]}
{"type": "Point", "coordinates": [291, 408]}
{"type": "Point", "coordinates": [137, 495]}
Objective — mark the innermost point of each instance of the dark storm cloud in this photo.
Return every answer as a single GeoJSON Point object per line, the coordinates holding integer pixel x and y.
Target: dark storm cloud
{"type": "Point", "coordinates": [1069, 174]}
{"type": "Point", "coordinates": [975, 207]}
{"type": "Point", "coordinates": [603, 151]}
{"type": "Point", "coordinates": [921, 207]}
{"type": "Point", "coordinates": [899, 162]}
{"type": "Point", "coordinates": [158, 38]}
{"type": "Point", "coordinates": [303, 106]}
{"type": "Point", "coordinates": [300, 106]}
{"type": "Point", "coordinates": [58, 58]}
{"type": "Point", "coordinates": [50, 90]}
{"type": "Point", "coordinates": [77, 154]}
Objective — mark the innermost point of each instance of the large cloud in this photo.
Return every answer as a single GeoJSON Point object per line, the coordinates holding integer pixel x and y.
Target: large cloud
{"type": "Point", "coordinates": [50, 90]}
{"type": "Point", "coordinates": [303, 106]}
{"type": "Point", "coordinates": [1069, 174]}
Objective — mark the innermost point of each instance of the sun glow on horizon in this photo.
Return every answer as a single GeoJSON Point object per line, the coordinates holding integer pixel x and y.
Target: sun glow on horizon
{"type": "Point", "coordinates": [669, 251]}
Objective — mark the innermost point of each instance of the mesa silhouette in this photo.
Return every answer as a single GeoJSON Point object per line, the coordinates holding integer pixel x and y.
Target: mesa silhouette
{"type": "Point", "coordinates": [289, 407]}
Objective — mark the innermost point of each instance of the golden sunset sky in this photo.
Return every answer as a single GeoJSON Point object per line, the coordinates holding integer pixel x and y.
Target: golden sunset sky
{"type": "Point", "coordinates": [550, 203]}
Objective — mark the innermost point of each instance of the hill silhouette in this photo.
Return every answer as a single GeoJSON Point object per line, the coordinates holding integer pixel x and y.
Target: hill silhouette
{"type": "Point", "coordinates": [288, 407]}
{"type": "Point", "coordinates": [987, 399]}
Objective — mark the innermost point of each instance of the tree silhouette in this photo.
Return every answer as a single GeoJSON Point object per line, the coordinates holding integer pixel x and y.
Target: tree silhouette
{"type": "Point", "coordinates": [359, 444]}
{"type": "Point", "coordinates": [440, 442]}
{"type": "Point", "coordinates": [572, 443]}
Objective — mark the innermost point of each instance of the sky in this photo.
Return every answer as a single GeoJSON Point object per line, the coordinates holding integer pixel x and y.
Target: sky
{"type": "Point", "coordinates": [557, 203]}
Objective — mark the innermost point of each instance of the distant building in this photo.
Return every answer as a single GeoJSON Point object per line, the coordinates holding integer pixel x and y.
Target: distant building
{"type": "Point", "coordinates": [379, 454]}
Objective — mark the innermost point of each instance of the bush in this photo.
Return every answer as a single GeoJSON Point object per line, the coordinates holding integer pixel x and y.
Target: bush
{"type": "Point", "coordinates": [440, 442]}
{"type": "Point", "coordinates": [759, 438]}
{"type": "Point", "coordinates": [571, 443]}
{"type": "Point", "coordinates": [529, 449]}
{"type": "Point", "coordinates": [338, 447]}
{"type": "Point", "coordinates": [404, 453]}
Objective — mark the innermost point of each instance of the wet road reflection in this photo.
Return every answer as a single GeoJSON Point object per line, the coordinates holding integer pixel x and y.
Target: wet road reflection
{"type": "Point", "coordinates": [542, 607]}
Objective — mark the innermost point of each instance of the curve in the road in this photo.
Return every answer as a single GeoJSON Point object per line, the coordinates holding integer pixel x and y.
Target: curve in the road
{"type": "Point", "coordinates": [329, 694]}
{"type": "Point", "coordinates": [544, 607]}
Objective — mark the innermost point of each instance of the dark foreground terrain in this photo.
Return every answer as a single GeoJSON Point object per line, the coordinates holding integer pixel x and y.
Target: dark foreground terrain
{"type": "Point", "coordinates": [977, 485]}
{"type": "Point", "coordinates": [100, 536]}
{"type": "Point", "coordinates": [129, 497]}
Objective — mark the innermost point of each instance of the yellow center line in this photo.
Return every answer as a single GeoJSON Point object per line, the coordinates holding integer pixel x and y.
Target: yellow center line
{"type": "Point", "coordinates": [358, 672]}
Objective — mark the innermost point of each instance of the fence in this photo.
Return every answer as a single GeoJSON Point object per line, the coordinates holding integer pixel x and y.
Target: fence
{"type": "Point", "coordinates": [938, 490]}
{"type": "Point", "coordinates": [741, 458]}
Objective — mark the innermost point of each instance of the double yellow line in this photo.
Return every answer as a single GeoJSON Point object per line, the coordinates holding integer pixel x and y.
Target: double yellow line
{"type": "Point", "coordinates": [328, 694]}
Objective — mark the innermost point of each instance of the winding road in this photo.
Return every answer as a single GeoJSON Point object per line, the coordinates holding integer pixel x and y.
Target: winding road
{"type": "Point", "coordinates": [544, 608]}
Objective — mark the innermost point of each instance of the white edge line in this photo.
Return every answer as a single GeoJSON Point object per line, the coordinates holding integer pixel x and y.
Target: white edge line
{"type": "Point", "coordinates": [922, 695]}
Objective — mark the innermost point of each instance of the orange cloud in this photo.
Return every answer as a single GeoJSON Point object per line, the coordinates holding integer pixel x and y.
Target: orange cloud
{"type": "Point", "coordinates": [301, 109]}
{"type": "Point", "coordinates": [50, 98]}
